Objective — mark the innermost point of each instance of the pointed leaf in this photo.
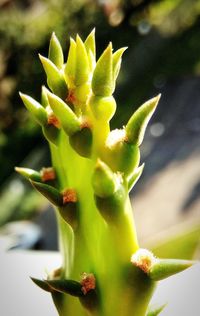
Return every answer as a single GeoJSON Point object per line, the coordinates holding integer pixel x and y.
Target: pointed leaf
{"type": "Point", "coordinates": [51, 193]}
{"type": "Point", "coordinates": [102, 81]}
{"type": "Point", "coordinates": [117, 59]}
{"type": "Point", "coordinates": [35, 108]}
{"type": "Point", "coordinates": [154, 311]}
{"type": "Point", "coordinates": [71, 287]}
{"type": "Point", "coordinates": [42, 284]}
{"type": "Point", "coordinates": [137, 124]}
{"type": "Point", "coordinates": [90, 43]}
{"type": "Point", "coordinates": [82, 63]}
{"type": "Point", "coordinates": [164, 268]}
{"type": "Point", "coordinates": [134, 177]}
{"type": "Point", "coordinates": [29, 173]}
{"type": "Point", "coordinates": [55, 78]}
{"type": "Point", "coordinates": [67, 117]}
{"type": "Point", "coordinates": [69, 70]}
{"type": "Point", "coordinates": [55, 52]}
{"type": "Point", "coordinates": [44, 99]}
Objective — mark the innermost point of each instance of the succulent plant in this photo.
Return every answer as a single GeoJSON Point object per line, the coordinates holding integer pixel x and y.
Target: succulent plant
{"type": "Point", "coordinates": [104, 272]}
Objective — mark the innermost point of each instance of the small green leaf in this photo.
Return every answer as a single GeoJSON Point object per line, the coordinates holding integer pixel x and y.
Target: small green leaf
{"type": "Point", "coordinates": [67, 117]}
{"type": "Point", "coordinates": [35, 108]}
{"type": "Point", "coordinates": [29, 173]}
{"type": "Point", "coordinates": [55, 78]}
{"type": "Point", "coordinates": [82, 63]}
{"type": "Point", "coordinates": [71, 287]}
{"type": "Point", "coordinates": [44, 99]}
{"type": "Point", "coordinates": [134, 177]}
{"type": "Point", "coordinates": [51, 193]}
{"type": "Point", "coordinates": [90, 43]}
{"type": "Point", "coordinates": [164, 268]}
{"type": "Point", "coordinates": [69, 70]}
{"type": "Point", "coordinates": [91, 49]}
{"type": "Point", "coordinates": [102, 81]}
{"type": "Point", "coordinates": [104, 181]}
{"type": "Point", "coordinates": [154, 311]}
{"type": "Point", "coordinates": [137, 124]}
{"type": "Point", "coordinates": [117, 59]}
{"type": "Point", "coordinates": [55, 52]}
{"type": "Point", "coordinates": [42, 284]}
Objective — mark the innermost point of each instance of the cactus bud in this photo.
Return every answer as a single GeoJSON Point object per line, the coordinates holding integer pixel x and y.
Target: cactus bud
{"type": "Point", "coordinates": [35, 108]}
{"type": "Point", "coordinates": [69, 210]}
{"type": "Point", "coordinates": [29, 174]}
{"type": "Point", "coordinates": [68, 119]}
{"type": "Point", "coordinates": [55, 52]}
{"type": "Point", "coordinates": [143, 259]}
{"type": "Point", "coordinates": [137, 124]}
{"type": "Point", "coordinates": [55, 78]}
{"type": "Point", "coordinates": [51, 193]}
{"type": "Point", "coordinates": [164, 268]}
{"type": "Point", "coordinates": [104, 181]}
{"type": "Point", "coordinates": [102, 81]}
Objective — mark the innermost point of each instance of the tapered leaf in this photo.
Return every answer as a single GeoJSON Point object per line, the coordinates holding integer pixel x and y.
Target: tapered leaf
{"type": "Point", "coordinates": [102, 81]}
{"type": "Point", "coordinates": [29, 173]}
{"type": "Point", "coordinates": [55, 52]}
{"type": "Point", "coordinates": [42, 284]}
{"type": "Point", "coordinates": [90, 43]}
{"type": "Point", "coordinates": [154, 311]}
{"type": "Point", "coordinates": [164, 268]}
{"type": "Point", "coordinates": [134, 177]}
{"type": "Point", "coordinates": [136, 126]}
{"type": "Point", "coordinates": [117, 59]}
{"type": "Point", "coordinates": [69, 70]}
{"type": "Point", "coordinates": [82, 69]}
{"type": "Point", "coordinates": [67, 117]}
{"type": "Point", "coordinates": [55, 78]}
{"type": "Point", "coordinates": [36, 109]}
{"type": "Point", "coordinates": [71, 287]}
{"type": "Point", "coordinates": [51, 193]}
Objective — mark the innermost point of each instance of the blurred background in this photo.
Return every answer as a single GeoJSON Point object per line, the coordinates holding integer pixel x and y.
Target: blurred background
{"type": "Point", "coordinates": [163, 56]}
